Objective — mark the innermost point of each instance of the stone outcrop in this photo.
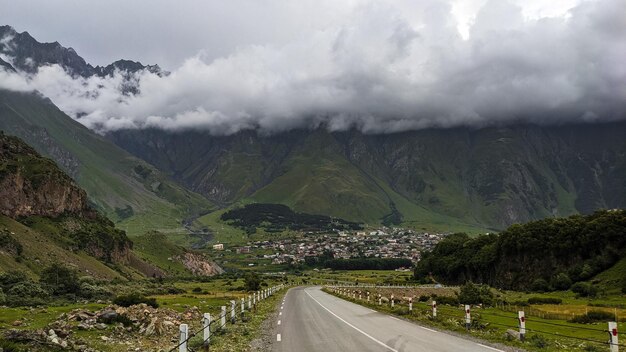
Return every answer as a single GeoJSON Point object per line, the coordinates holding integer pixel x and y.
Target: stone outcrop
{"type": "Point", "coordinates": [33, 185]}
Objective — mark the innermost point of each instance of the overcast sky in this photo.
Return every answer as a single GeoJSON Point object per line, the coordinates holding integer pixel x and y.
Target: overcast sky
{"type": "Point", "coordinates": [167, 32]}
{"type": "Point", "coordinates": [379, 66]}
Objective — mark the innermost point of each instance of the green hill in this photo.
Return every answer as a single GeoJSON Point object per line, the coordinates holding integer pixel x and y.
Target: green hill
{"type": "Point", "coordinates": [128, 190]}
{"type": "Point", "coordinates": [537, 255]}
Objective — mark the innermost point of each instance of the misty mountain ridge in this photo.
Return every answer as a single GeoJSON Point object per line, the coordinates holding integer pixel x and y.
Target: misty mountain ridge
{"type": "Point", "coordinates": [28, 55]}
{"type": "Point", "coordinates": [463, 178]}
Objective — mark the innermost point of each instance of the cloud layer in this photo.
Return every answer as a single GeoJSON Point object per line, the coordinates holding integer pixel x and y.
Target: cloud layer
{"type": "Point", "coordinates": [379, 68]}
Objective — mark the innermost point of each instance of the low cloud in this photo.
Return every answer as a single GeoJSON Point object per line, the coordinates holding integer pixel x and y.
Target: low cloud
{"type": "Point", "coordinates": [377, 70]}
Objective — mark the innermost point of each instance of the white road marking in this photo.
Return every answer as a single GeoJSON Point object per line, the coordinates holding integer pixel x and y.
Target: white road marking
{"type": "Point", "coordinates": [279, 322]}
{"type": "Point", "coordinates": [352, 326]}
{"type": "Point", "coordinates": [278, 338]}
{"type": "Point", "coordinates": [392, 317]}
{"type": "Point", "coordinates": [281, 313]}
{"type": "Point", "coordinates": [427, 329]}
{"type": "Point", "coordinates": [489, 347]}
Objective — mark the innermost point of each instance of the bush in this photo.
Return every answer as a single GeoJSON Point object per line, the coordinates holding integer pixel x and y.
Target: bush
{"type": "Point", "coordinates": [624, 286]}
{"type": "Point", "coordinates": [561, 282]}
{"type": "Point", "coordinates": [584, 289]}
{"type": "Point", "coordinates": [544, 300]}
{"type": "Point", "coordinates": [10, 278]}
{"type": "Point", "coordinates": [423, 298]}
{"type": "Point", "coordinates": [593, 316]}
{"type": "Point", "coordinates": [538, 341]}
{"type": "Point", "coordinates": [540, 285]}
{"type": "Point", "coordinates": [252, 282]}
{"type": "Point", "coordinates": [475, 294]}
{"type": "Point", "coordinates": [91, 291]}
{"type": "Point", "coordinates": [27, 293]}
{"type": "Point", "coordinates": [451, 301]}
{"type": "Point", "coordinates": [3, 297]}
{"type": "Point", "coordinates": [133, 299]}
{"type": "Point", "coordinates": [197, 290]}
{"type": "Point", "coordinates": [60, 279]}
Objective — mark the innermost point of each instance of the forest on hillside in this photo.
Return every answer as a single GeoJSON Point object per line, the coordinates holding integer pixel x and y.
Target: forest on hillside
{"type": "Point", "coordinates": [540, 255]}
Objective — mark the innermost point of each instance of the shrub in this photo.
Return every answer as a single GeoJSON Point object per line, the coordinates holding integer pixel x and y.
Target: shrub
{"type": "Point", "coordinates": [60, 279]}
{"type": "Point", "coordinates": [593, 316]}
{"type": "Point", "coordinates": [584, 289]}
{"type": "Point", "coordinates": [451, 301]}
{"type": "Point", "coordinates": [544, 300]}
{"type": "Point", "coordinates": [27, 293]}
{"type": "Point", "coordinates": [475, 294]}
{"type": "Point", "coordinates": [624, 286]}
{"type": "Point", "coordinates": [538, 341]}
{"type": "Point", "coordinates": [3, 297]}
{"type": "Point", "coordinates": [10, 278]}
{"type": "Point", "coordinates": [252, 282]}
{"type": "Point", "coordinates": [133, 299]}
{"type": "Point", "coordinates": [91, 291]}
{"type": "Point", "coordinates": [423, 298]}
{"type": "Point", "coordinates": [561, 282]}
{"type": "Point", "coordinates": [197, 290]}
{"type": "Point", "coordinates": [540, 285]}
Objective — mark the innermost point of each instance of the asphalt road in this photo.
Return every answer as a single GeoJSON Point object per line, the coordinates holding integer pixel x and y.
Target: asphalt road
{"type": "Point", "coordinates": [311, 320]}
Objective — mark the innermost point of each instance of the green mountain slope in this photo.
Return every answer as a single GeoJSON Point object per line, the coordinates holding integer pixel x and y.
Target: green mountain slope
{"type": "Point", "coordinates": [130, 191]}
{"type": "Point", "coordinates": [448, 179]}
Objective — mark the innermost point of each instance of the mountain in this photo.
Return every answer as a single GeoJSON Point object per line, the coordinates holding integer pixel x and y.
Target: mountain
{"type": "Point", "coordinates": [54, 215]}
{"type": "Point", "coordinates": [27, 54]}
{"type": "Point", "coordinates": [490, 177]}
{"type": "Point", "coordinates": [45, 217]}
{"type": "Point", "coordinates": [132, 192]}
{"type": "Point", "coordinates": [457, 179]}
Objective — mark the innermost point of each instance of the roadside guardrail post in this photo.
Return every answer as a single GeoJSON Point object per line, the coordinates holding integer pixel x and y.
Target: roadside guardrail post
{"type": "Point", "coordinates": [223, 318]}
{"type": "Point", "coordinates": [613, 341]}
{"type": "Point", "coordinates": [434, 310]}
{"type": "Point", "coordinates": [243, 307]}
{"type": "Point", "coordinates": [468, 317]}
{"type": "Point", "coordinates": [522, 325]}
{"type": "Point", "coordinates": [360, 295]}
{"type": "Point", "coordinates": [368, 296]}
{"type": "Point", "coordinates": [184, 330]}
{"type": "Point", "coordinates": [249, 302]}
{"type": "Point", "coordinates": [392, 301]}
{"type": "Point", "coordinates": [380, 299]}
{"type": "Point", "coordinates": [206, 330]}
{"type": "Point", "coordinates": [233, 309]}
{"type": "Point", "coordinates": [410, 304]}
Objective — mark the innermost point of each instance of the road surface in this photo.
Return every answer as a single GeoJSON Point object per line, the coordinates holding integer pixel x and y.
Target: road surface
{"type": "Point", "coordinates": [311, 320]}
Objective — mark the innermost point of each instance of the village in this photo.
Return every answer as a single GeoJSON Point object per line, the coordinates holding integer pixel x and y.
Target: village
{"type": "Point", "coordinates": [379, 243]}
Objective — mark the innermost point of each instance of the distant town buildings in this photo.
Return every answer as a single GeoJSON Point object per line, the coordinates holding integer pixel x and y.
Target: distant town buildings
{"type": "Point", "coordinates": [381, 243]}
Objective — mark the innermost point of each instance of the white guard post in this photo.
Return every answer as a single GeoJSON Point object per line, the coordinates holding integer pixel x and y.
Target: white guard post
{"type": "Point", "coordinates": [613, 342]}
{"type": "Point", "coordinates": [223, 318]}
{"type": "Point", "coordinates": [184, 330]}
{"type": "Point", "coordinates": [206, 328]}
{"type": "Point", "coordinates": [233, 308]}
{"type": "Point", "coordinates": [392, 301]}
{"type": "Point", "coordinates": [410, 304]}
{"type": "Point", "coordinates": [468, 317]}
{"type": "Point", "coordinates": [522, 324]}
{"type": "Point", "coordinates": [434, 309]}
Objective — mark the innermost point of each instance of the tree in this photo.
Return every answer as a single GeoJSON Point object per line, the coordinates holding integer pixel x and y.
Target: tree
{"type": "Point", "coordinates": [562, 282]}
{"type": "Point", "coordinates": [252, 282]}
{"type": "Point", "coordinates": [475, 294]}
{"type": "Point", "coordinates": [540, 285]}
{"type": "Point", "coordinates": [60, 279]}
